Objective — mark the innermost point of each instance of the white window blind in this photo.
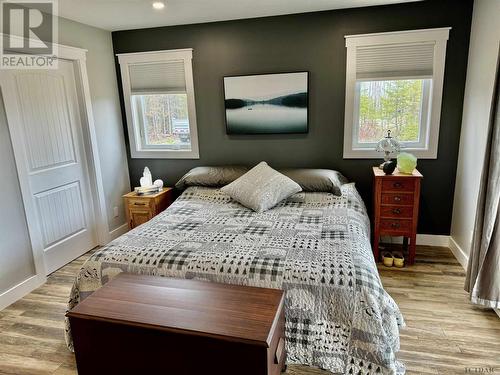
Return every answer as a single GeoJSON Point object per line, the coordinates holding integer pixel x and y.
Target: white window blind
{"type": "Point", "coordinates": [394, 60]}
{"type": "Point", "coordinates": [158, 77]}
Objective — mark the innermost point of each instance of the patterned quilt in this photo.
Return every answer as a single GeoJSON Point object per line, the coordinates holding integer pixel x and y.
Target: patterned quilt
{"type": "Point", "coordinates": [315, 246]}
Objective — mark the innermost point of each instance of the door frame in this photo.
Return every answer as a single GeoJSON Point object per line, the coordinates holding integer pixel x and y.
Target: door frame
{"type": "Point", "coordinates": [78, 57]}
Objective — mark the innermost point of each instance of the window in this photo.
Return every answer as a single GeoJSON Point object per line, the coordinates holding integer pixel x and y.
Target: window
{"type": "Point", "coordinates": [163, 121]}
{"type": "Point", "coordinates": [394, 82]}
{"type": "Point", "coordinates": [159, 104]}
{"type": "Point", "coordinates": [398, 105]}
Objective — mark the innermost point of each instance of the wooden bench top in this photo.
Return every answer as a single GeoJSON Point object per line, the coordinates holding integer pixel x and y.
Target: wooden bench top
{"type": "Point", "coordinates": [228, 312]}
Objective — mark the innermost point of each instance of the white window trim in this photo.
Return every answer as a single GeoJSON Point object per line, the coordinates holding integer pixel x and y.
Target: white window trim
{"type": "Point", "coordinates": [439, 36]}
{"type": "Point", "coordinates": [136, 149]}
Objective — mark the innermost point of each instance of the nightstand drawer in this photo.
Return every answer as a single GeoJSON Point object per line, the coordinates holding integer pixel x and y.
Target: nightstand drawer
{"type": "Point", "coordinates": [398, 184]}
{"type": "Point", "coordinates": [396, 212]}
{"type": "Point", "coordinates": [395, 225]}
{"type": "Point", "coordinates": [140, 203]}
{"type": "Point", "coordinates": [397, 198]}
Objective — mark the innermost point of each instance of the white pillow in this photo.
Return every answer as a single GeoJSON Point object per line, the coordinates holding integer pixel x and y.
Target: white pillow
{"type": "Point", "coordinates": [261, 188]}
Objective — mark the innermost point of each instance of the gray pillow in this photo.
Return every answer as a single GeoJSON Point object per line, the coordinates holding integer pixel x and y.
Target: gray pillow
{"type": "Point", "coordinates": [211, 176]}
{"type": "Point", "coordinates": [261, 188]}
{"type": "Point", "coordinates": [322, 180]}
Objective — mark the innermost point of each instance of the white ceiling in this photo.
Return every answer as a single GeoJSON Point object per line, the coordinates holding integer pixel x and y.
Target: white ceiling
{"type": "Point", "coordinates": [133, 14]}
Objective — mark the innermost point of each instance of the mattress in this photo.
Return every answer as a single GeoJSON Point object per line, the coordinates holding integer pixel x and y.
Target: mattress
{"type": "Point", "coordinates": [315, 246]}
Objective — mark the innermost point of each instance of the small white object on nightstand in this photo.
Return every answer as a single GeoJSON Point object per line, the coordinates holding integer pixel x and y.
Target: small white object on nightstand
{"type": "Point", "coordinates": [146, 179]}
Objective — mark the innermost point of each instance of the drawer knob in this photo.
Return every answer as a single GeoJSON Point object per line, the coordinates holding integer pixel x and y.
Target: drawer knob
{"type": "Point", "coordinates": [395, 225]}
{"type": "Point", "coordinates": [396, 211]}
{"type": "Point", "coordinates": [139, 204]}
{"type": "Point", "coordinates": [397, 198]}
{"type": "Point", "coordinates": [397, 184]}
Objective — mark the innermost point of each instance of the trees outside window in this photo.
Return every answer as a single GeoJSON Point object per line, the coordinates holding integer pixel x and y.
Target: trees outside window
{"type": "Point", "coordinates": [165, 119]}
{"type": "Point", "coordinates": [394, 105]}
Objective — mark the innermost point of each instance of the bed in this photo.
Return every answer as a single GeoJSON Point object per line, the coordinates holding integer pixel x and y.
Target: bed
{"type": "Point", "coordinates": [314, 245]}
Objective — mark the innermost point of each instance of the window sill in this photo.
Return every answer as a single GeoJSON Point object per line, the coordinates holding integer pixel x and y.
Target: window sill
{"type": "Point", "coordinates": [372, 154]}
{"type": "Point", "coordinates": [164, 154]}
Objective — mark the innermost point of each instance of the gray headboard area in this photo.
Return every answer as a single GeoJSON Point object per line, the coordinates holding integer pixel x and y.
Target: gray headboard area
{"type": "Point", "coordinates": [312, 42]}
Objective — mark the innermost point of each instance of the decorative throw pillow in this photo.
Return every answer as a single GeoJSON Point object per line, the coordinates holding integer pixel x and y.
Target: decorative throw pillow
{"type": "Point", "coordinates": [322, 180]}
{"type": "Point", "coordinates": [261, 188]}
{"type": "Point", "coordinates": [210, 176]}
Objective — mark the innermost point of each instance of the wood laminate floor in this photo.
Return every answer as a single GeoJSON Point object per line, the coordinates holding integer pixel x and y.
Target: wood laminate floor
{"type": "Point", "coordinates": [444, 334]}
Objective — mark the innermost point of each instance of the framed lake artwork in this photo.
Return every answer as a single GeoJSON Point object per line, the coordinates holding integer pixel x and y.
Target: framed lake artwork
{"type": "Point", "coordinates": [267, 103]}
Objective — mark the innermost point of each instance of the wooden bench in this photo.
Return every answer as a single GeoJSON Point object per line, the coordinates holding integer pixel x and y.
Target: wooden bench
{"type": "Point", "coordinates": [150, 325]}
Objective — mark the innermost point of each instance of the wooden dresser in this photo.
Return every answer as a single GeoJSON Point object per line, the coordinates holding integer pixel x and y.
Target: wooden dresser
{"type": "Point", "coordinates": [138, 324]}
{"type": "Point", "coordinates": [141, 208]}
{"type": "Point", "coordinates": [396, 199]}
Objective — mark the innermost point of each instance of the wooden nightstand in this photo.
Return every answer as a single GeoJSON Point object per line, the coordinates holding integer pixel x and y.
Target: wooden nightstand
{"type": "Point", "coordinates": [141, 208]}
{"type": "Point", "coordinates": [396, 199]}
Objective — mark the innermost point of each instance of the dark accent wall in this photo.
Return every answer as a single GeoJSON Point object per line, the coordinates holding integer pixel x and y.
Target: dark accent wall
{"type": "Point", "coordinates": [312, 42]}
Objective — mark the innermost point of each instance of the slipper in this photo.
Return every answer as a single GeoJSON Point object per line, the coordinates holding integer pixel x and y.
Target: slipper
{"type": "Point", "coordinates": [399, 259]}
{"type": "Point", "coordinates": [387, 259]}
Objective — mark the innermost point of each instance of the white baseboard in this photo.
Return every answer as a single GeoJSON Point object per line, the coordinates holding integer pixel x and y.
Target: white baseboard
{"type": "Point", "coordinates": [498, 312]}
{"type": "Point", "coordinates": [115, 233]}
{"type": "Point", "coordinates": [424, 240]}
{"type": "Point", "coordinates": [459, 253]}
{"type": "Point", "coordinates": [433, 240]}
{"type": "Point", "coordinates": [20, 290]}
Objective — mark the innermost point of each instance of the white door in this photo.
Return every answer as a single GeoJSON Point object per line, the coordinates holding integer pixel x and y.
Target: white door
{"type": "Point", "coordinates": [43, 114]}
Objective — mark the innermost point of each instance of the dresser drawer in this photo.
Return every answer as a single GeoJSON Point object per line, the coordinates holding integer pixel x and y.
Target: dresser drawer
{"type": "Point", "coordinates": [398, 184]}
{"type": "Point", "coordinates": [139, 203]}
{"type": "Point", "coordinates": [395, 225]}
{"type": "Point", "coordinates": [396, 212]}
{"type": "Point", "coordinates": [397, 198]}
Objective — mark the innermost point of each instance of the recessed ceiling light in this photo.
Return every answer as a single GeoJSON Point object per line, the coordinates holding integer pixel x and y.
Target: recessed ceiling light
{"type": "Point", "coordinates": [158, 5]}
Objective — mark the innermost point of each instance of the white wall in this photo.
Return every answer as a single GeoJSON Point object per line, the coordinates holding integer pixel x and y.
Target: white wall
{"type": "Point", "coordinates": [483, 54]}
{"type": "Point", "coordinates": [106, 107]}
{"type": "Point", "coordinates": [16, 259]}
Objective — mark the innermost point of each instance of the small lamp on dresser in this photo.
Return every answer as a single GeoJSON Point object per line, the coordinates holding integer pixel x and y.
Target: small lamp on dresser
{"type": "Point", "coordinates": [389, 146]}
{"type": "Point", "coordinates": [395, 201]}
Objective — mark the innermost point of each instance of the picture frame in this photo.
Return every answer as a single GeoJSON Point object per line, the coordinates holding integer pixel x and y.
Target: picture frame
{"type": "Point", "coordinates": [267, 103]}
